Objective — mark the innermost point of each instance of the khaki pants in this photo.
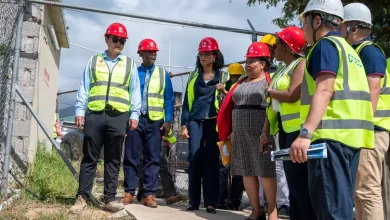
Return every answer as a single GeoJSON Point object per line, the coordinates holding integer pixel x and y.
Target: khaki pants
{"type": "Point", "coordinates": [386, 186]}
{"type": "Point", "coordinates": [368, 192]}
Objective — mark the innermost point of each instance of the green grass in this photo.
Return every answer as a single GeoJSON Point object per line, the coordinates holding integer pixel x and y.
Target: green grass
{"type": "Point", "coordinates": [50, 178]}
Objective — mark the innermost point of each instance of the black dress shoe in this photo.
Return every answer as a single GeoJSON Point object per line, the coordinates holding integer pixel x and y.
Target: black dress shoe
{"type": "Point", "coordinates": [211, 210]}
{"type": "Point", "coordinates": [192, 208]}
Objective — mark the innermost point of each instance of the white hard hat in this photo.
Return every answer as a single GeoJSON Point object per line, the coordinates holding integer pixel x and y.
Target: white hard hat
{"type": "Point", "coordinates": [333, 7]}
{"type": "Point", "coordinates": [357, 12]}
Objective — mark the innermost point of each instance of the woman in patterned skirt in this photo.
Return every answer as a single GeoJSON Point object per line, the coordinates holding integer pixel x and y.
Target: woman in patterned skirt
{"type": "Point", "coordinates": [247, 122]}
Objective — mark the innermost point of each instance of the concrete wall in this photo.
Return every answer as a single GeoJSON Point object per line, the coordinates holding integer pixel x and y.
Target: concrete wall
{"type": "Point", "coordinates": [38, 79]}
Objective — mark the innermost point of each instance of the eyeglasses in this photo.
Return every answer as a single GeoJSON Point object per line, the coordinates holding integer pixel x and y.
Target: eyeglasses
{"type": "Point", "coordinates": [205, 55]}
{"type": "Point", "coordinates": [116, 39]}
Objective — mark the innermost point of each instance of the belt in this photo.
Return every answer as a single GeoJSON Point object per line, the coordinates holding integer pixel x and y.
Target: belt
{"type": "Point", "coordinates": [254, 107]}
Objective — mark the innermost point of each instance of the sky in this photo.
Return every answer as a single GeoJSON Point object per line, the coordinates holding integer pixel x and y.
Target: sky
{"type": "Point", "coordinates": [87, 29]}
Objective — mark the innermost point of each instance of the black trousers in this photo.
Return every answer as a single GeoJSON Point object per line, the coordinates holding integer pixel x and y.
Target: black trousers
{"type": "Point", "coordinates": [234, 196]}
{"type": "Point", "coordinates": [106, 128]}
{"type": "Point", "coordinates": [297, 177]}
{"type": "Point", "coordinates": [204, 162]}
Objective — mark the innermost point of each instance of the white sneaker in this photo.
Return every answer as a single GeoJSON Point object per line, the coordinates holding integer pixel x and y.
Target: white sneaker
{"type": "Point", "coordinates": [79, 205]}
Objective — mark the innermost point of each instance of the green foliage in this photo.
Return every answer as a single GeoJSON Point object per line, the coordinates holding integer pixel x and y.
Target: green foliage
{"type": "Point", "coordinates": [379, 10]}
{"type": "Point", "coordinates": [49, 177]}
{"type": "Point", "coordinates": [3, 50]}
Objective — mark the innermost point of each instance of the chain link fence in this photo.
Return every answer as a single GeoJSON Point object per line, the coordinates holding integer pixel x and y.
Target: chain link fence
{"type": "Point", "coordinates": [10, 12]}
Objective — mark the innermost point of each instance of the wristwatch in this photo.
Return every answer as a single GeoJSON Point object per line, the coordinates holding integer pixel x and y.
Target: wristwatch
{"type": "Point", "coordinates": [305, 133]}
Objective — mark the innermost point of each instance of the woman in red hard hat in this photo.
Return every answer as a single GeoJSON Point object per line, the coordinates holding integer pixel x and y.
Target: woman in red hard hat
{"type": "Point", "coordinates": [242, 116]}
{"type": "Point", "coordinates": [200, 107]}
{"type": "Point", "coordinates": [283, 115]}
{"type": "Point", "coordinates": [108, 100]}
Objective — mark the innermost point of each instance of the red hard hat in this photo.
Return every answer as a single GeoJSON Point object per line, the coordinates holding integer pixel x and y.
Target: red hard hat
{"type": "Point", "coordinates": [117, 29]}
{"type": "Point", "coordinates": [208, 44]}
{"type": "Point", "coordinates": [147, 44]}
{"type": "Point", "coordinates": [258, 49]}
{"type": "Point", "coordinates": [294, 37]}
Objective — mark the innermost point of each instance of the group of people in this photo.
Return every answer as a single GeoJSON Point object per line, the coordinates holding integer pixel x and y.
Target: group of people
{"type": "Point", "coordinates": [335, 93]}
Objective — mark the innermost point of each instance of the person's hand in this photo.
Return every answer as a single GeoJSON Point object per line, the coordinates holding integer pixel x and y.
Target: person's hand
{"type": "Point", "coordinates": [221, 88]}
{"type": "Point", "coordinates": [165, 129]}
{"type": "Point", "coordinates": [133, 124]}
{"type": "Point", "coordinates": [79, 120]}
{"type": "Point", "coordinates": [298, 150]}
{"type": "Point", "coordinates": [184, 132]}
{"type": "Point", "coordinates": [263, 140]}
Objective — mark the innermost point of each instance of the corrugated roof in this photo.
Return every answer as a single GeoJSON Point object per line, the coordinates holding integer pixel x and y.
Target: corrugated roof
{"type": "Point", "coordinates": [59, 23]}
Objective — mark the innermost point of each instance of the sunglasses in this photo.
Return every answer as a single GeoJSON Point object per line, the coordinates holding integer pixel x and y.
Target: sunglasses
{"type": "Point", "coordinates": [116, 39]}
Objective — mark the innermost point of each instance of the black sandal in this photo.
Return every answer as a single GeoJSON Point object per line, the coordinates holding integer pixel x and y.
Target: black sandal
{"type": "Point", "coordinates": [261, 217]}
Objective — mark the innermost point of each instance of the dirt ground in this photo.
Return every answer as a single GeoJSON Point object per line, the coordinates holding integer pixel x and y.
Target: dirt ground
{"type": "Point", "coordinates": [34, 210]}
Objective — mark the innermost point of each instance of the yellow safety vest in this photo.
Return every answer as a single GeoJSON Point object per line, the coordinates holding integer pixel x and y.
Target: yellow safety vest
{"type": "Point", "coordinates": [191, 90]}
{"type": "Point", "coordinates": [382, 113]}
{"type": "Point", "coordinates": [55, 128]}
{"type": "Point", "coordinates": [348, 117]}
{"type": "Point", "coordinates": [272, 116]}
{"type": "Point", "coordinates": [170, 138]}
{"type": "Point", "coordinates": [289, 112]}
{"type": "Point", "coordinates": [110, 88]}
{"type": "Point", "coordinates": [156, 89]}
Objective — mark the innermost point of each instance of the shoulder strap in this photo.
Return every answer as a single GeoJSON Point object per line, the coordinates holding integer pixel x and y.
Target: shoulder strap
{"type": "Point", "coordinates": [268, 78]}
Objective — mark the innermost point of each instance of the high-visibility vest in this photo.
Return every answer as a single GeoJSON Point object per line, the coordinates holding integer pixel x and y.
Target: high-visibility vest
{"type": "Point", "coordinates": [110, 88]}
{"type": "Point", "coordinates": [170, 137]}
{"type": "Point", "coordinates": [272, 116]}
{"type": "Point", "coordinates": [348, 118]}
{"type": "Point", "coordinates": [382, 113]}
{"type": "Point", "coordinates": [156, 89]}
{"type": "Point", "coordinates": [55, 127]}
{"type": "Point", "coordinates": [191, 90]}
{"type": "Point", "coordinates": [289, 112]}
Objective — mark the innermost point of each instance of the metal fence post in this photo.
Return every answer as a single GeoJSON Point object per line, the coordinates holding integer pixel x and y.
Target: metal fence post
{"type": "Point", "coordinates": [15, 77]}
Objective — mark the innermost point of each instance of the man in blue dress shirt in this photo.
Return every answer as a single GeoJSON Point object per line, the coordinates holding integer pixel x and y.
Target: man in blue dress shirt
{"type": "Point", "coordinates": [108, 98]}
{"type": "Point", "coordinates": [154, 124]}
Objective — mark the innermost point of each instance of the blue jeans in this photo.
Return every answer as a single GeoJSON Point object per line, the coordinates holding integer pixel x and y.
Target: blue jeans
{"type": "Point", "coordinates": [332, 182]}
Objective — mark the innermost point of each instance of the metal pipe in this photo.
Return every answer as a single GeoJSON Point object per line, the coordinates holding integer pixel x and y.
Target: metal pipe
{"type": "Point", "coordinates": [53, 36]}
{"type": "Point", "coordinates": [47, 132]}
{"type": "Point", "coordinates": [10, 122]}
{"type": "Point", "coordinates": [185, 23]}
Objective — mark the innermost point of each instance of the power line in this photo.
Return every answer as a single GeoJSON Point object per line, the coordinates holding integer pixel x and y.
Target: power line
{"type": "Point", "coordinates": [124, 19]}
{"type": "Point", "coordinates": [137, 61]}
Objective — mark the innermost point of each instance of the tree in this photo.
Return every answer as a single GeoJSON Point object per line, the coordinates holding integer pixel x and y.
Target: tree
{"type": "Point", "coordinates": [379, 10]}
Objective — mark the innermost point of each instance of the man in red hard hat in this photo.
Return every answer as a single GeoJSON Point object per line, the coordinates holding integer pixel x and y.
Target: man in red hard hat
{"type": "Point", "coordinates": [108, 100]}
{"type": "Point", "coordinates": [154, 124]}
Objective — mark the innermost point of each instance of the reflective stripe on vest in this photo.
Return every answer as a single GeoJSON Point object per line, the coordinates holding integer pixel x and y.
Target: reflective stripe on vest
{"type": "Point", "coordinates": [348, 116]}
{"type": "Point", "coordinates": [272, 116]}
{"type": "Point", "coordinates": [289, 112]}
{"type": "Point", "coordinates": [110, 88]}
{"type": "Point", "coordinates": [191, 89]}
{"type": "Point", "coordinates": [382, 113]}
{"type": "Point", "coordinates": [55, 127]}
{"type": "Point", "coordinates": [170, 137]}
{"type": "Point", "coordinates": [156, 89]}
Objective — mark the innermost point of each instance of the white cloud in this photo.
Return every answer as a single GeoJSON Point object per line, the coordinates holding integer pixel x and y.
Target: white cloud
{"type": "Point", "coordinates": [87, 29]}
